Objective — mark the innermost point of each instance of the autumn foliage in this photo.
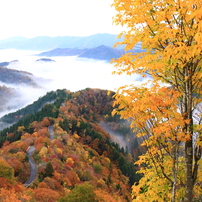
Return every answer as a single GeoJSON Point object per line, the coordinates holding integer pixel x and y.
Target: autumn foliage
{"type": "Point", "coordinates": [165, 112]}
{"type": "Point", "coordinates": [81, 155]}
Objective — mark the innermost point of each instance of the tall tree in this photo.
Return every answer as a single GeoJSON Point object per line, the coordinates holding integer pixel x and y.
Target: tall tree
{"type": "Point", "coordinates": [168, 119]}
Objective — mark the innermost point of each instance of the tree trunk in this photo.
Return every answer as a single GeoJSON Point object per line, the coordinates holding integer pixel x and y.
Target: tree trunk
{"type": "Point", "coordinates": [189, 176]}
{"type": "Point", "coordinates": [189, 147]}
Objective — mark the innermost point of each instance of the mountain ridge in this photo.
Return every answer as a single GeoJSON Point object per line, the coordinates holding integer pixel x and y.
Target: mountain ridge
{"type": "Point", "coordinates": [48, 43]}
{"type": "Point", "coordinates": [100, 52]}
{"type": "Point", "coordinates": [81, 152]}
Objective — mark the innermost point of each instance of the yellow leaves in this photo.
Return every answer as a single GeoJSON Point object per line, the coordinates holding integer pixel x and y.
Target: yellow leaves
{"type": "Point", "coordinates": [59, 151]}
{"type": "Point", "coordinates": [76, 136]}
{"type": "Point", "coordinates": [141, 134]}
{"type": "Point", "coordinates": [135, 189]}
{"type": "Point", "coordinates": [153, 151]}
{"type": "Point", "coordinates": [43, 151]}
{"type": "Point", "coordinates": [120, 35]}
{"type": "Point", "coordinates": [153, 186]}
{"type": "Point", "coordinates": [142, 159]}
{"type": "Point", "coordinates": [70, 161]}
{"type": "Point", "coordinates": [198, 128]}
{"type": "Point", "coordinates": [160, 25]}
{"type": "Point", "coordinates": [21, 128]}
{"type": "Point", "coordinates": [6, 171]}
{"type": "Point", "coordinates": [85, 156]}
{"type": "Point", "coordinates": [114, 112]}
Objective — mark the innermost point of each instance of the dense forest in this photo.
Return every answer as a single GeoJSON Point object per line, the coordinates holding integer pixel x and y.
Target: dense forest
{"type": "Point", "coordinates": [83, 146]}
{"type": "Point", "coordinates": [84, 155]}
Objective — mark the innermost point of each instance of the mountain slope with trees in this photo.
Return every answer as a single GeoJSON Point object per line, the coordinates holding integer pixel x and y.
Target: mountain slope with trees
{"type": "Point", "coordinates": [13, 76]}
{"type": "Point", "coordinates": [81, 156]}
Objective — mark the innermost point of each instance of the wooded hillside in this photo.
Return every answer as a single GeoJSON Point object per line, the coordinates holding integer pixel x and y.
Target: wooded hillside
{"type": "Point", "coordinates": [81, 156]}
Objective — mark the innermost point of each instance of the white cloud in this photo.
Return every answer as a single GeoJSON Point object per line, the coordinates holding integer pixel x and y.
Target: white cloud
{"type": "Point", "coordinates": [70, 73]}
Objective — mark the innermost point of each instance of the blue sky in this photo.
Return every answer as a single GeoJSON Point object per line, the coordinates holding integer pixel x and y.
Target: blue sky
{"type": "Point", "coordinates": [32, 18]}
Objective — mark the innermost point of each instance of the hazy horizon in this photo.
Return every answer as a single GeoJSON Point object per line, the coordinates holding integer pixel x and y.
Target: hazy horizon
{"type": "Point", "coordinates": [69, 73]}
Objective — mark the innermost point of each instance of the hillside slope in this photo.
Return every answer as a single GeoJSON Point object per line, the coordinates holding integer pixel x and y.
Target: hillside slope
{"type": "Point", "coordinates": [98, 53]}
{"type": "Point", "coordinates": [13, 76]}
{"type": "Point", "coordinates": [82, 154]}
{"type": "Point", "coordinates": [102, 53]}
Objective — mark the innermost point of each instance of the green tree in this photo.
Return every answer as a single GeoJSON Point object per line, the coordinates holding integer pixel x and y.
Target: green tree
{"type": "Point", "coordinates": [168, 119]}
{"type": "Point", "coordinates": [82, 193]}
{"type": "Point", "coordinates": [48, 170]}
{"type": "Point", "coordinates": [6, 171]}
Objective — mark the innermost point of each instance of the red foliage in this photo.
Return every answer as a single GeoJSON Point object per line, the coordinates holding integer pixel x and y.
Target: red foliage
{"type": "Point", "coordinates": [6, 143]}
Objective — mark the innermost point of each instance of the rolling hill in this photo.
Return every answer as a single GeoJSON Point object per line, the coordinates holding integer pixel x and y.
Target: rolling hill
{"type": "Point", "coordinates": [81, 156]}
{"type": "Point", "coordinates": [102, 53]}
{"type": "Point", "coordinates": [13, 76]}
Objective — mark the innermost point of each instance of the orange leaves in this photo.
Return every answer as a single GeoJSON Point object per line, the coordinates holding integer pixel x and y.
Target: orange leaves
{"type": "Point", "coordinates": [12, 195]}
{"type": "Point", "coordinates": [46, 195]}
{"type": "Point", "coordinates": [103, 196]}
{"type": "Point", "coordinates": [158, 26]}
{"type": "Point", "coordinates": [144, 104]}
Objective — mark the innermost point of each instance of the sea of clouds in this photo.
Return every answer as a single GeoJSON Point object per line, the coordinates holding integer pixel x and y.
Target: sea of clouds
{"type": "Point", "coordinates": [69, 73]}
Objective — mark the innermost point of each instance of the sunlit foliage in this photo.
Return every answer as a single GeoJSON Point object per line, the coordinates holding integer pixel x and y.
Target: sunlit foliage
{"type": "Point", "coordinates": [165, 112]}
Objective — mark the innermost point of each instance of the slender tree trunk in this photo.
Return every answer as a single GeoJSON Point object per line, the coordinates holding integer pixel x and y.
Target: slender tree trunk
{"type": "Point", "coordinates": [175, 170]}
{"type": "Point", "coordinates": [189, 131]}
{"type": "Point", "coordinates": [189, 177]}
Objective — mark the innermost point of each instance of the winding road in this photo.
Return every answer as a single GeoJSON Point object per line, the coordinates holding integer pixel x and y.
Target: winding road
{"type": "Point", "coordinates": [33, 166]}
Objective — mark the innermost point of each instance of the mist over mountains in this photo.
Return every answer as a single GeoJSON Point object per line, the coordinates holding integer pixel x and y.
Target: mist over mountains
{"type": "Point", "coordinates": [49, 43]}
{"type": "Point", "coordinates": [79, 62]}
{"type": "Point", "coordinates": [97, 46]}
{"type": "Point", "coordinates": [98, 53]}
{"type": "Point", "coordinates": [87, 143]}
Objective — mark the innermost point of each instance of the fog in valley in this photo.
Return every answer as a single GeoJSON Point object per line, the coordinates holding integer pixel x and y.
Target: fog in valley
{"type": "Point", "coordinates": [115, 137]}
{"type": "Point", "coordinates": [69, 73]}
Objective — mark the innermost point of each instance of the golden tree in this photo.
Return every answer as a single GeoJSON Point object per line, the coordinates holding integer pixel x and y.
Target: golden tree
{"type": "Point", "coordinates": [168, 119]}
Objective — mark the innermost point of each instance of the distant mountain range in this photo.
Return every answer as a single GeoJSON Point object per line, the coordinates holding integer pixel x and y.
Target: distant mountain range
{"type": "Point", "coordinates": [49, 43]}
{"type": "Point", "coordinates": [101, 52]}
